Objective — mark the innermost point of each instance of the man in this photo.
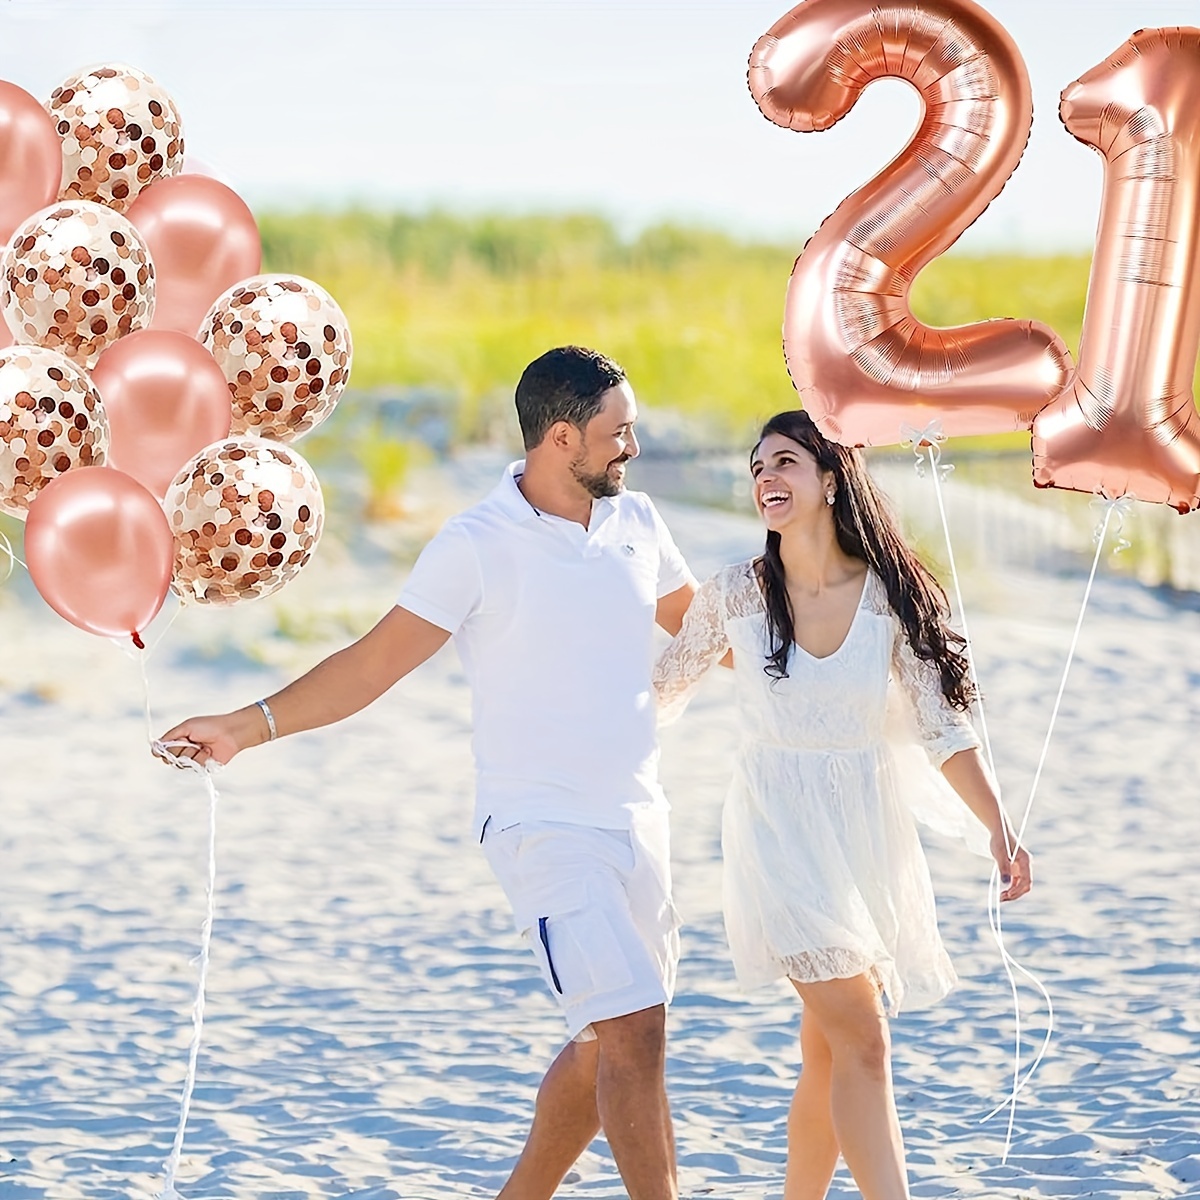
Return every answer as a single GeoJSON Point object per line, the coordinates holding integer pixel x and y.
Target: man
{"type": "Point", "coordinates": [550, 588]}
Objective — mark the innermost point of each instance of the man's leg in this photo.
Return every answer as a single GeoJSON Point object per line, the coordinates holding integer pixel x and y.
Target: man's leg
{"type": "Point", "coordinates": [631, 1098]}
{"type": "Point", "coordinates": [597, 956]}
{"type": "Point", "coordinates": [564, 1123]}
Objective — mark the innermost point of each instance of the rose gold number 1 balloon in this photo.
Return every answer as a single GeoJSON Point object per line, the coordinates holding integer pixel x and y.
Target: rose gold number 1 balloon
{"type": "Point", "coordinates": [1127, 422]}
{"type": "Point", "coordinates": [864, 366]}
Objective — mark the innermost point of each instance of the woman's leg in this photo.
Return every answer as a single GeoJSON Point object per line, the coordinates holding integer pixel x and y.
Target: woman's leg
{"type": "Point", "coordinates": [863, 1108]}
{"type": "Point", "coordinates": [812, 1142]}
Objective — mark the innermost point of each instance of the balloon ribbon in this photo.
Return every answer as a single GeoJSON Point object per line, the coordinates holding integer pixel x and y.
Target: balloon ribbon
{"type": "Point", "coordinates": [927, 443]}
{"type": "Point", "coordinates": [8, 559]}
{"type": "Point", "coordinates": [171, 1166]}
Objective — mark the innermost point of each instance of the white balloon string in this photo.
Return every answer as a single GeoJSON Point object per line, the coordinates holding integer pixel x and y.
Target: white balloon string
{"type": "Point", "coordinates": [8, 559]}
{"type": "Point", "coordinates": [938, 475]}
{"type": "Point", "coordinates": [930, 439]}
{"type": "Point", "coordinates": [165, 630]}
{"type": "Point", "coordinates": [141, 661]}
{"type": "Point", "coordinates": [1118, 508]}
{"type": "Point", "coordinates": [163, 750]}
{"type": "Point", "coordinates": [1019, 1082]}
{"type": "Point", "coordinates": [171, 1165]}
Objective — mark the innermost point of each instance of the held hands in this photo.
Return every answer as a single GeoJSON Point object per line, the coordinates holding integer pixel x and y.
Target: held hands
{"type": "Point", "coordinates": [1015, 872]}
{"type": "Point", "coordinates": [216, 738]}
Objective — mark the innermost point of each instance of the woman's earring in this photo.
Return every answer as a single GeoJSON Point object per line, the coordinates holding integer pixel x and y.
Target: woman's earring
{"type": "Point", "coordinates": [828, 497]}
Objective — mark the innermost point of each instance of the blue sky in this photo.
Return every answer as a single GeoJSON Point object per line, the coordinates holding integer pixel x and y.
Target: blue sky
{"type": "Point", "coordinates": [637, 109]}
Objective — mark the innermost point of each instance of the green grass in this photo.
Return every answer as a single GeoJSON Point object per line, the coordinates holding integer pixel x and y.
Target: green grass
{"type": "Point", "coordinates": [386, 463]}
{"type": "Point", "coordinates": [463, 303]}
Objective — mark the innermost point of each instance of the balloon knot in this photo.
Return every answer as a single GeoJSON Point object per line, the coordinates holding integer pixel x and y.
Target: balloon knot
{"type": "Point", "coordinates": [137, 640]}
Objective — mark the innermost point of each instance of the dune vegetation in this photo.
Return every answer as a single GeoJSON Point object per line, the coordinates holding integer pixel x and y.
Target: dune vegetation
{"type": "Point", "coordinates": [461, 303]}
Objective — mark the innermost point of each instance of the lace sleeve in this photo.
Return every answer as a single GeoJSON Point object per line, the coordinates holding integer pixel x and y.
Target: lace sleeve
{"type": "Point", "coordinates": [699, 644]}
{"type": "Point", "coordinates": [943, 729]}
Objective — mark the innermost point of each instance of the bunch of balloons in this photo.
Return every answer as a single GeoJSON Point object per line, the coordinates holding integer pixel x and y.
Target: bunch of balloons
{"type": "Point", "coordinates": [149, 375]}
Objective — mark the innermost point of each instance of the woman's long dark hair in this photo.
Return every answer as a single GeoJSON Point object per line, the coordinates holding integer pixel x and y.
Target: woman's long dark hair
{"type": "Point", "coordinates": [866, 530]}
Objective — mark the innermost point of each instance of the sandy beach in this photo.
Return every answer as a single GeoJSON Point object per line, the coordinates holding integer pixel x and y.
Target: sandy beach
{"type": "Point", "coordinates": [374, 1028]}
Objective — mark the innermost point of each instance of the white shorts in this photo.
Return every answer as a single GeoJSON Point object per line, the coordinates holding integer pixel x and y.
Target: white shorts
{"type": "Point", "coordinates": [594, 906]}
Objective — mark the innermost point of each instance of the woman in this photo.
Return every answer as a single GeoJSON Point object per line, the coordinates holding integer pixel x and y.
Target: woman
{"type": "Point", "coordinates": [825, 880]}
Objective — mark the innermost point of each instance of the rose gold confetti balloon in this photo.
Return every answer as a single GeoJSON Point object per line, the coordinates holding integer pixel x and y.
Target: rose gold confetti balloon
{"type": "Point", "coordinates": [51, 420]}
{"type": "Point", "coordinates": [120, 132]}
{"type": "Point", "coordinates": [246, 515]}
{"type": "Point", "coordinates": [75, 278]}
{"type": "Point", "coordinates": [284, 346]}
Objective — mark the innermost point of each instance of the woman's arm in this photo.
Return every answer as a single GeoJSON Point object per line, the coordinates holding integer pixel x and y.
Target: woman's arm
{"type": "Point", "coordinates": [965, 773]}
{"type": "Point", "coordinates": [335, 688]}
{"type": "Point", "coordinates": [953, 745]}
{"type": "Point", "coordinates": [700, 643]}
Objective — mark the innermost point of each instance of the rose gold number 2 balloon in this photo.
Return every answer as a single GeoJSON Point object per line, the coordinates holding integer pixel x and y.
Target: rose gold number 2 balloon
{"type": "Point", "coordinates": [1127, 421]}
{"type": "Point", "coordinates": [864, 366]}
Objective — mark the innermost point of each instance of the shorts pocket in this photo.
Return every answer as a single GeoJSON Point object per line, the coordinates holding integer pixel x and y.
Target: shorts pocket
{"type": "Point", "coordinates": [573, 934]}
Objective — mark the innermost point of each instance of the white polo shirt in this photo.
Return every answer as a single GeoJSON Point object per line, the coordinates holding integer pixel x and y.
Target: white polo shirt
{"type": "Point", "coordinates": [554, 626]}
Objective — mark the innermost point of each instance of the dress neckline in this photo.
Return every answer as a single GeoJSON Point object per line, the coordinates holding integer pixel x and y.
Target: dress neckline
{"type": "Point", "coordinates": [862, 598]}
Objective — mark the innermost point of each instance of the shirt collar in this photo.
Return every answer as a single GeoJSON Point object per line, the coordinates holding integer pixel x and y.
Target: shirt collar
{"type": "Point", "coordinates": [508, 496]}
{"type": "Point", "coordinates": [512, 501]}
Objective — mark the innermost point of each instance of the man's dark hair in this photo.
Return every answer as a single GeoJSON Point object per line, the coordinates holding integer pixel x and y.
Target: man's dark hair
{"type": "Point", "coordinates": [564, 384]}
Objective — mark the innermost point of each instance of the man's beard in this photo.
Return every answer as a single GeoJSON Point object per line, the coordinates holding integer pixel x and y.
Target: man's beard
{"type": "Point", "coordinates": [601, 484]}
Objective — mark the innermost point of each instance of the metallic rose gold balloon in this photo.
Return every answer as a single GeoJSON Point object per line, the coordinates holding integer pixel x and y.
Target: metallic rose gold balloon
{"type": "Point", "coordinates": [864, 366]}
{"type": "Point", "coordinates": [284, 346]}
{"type": "Point", "coordinates": [120, 132]}
{"type": "Point", "coordinates": [30, 158]}
{"type": "Point", "coordinates": [99, 550]}
{"type": "Point", "coordinates": [75, 278]}
{"type": "Point", "coordinates": [166, 399]}
{"type": "Point", "coordinates": [203, 240]}
{"type": "Point", "coordinates": [51, 422]}
{"type": "Point", "coordinates": [1127, 423]}
{"type": "Point", "coordinates": [247, 515]}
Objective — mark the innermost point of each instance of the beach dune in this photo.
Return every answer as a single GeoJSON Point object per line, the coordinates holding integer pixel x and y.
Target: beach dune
{"type": "Point", "coordinates": [374, 1028]}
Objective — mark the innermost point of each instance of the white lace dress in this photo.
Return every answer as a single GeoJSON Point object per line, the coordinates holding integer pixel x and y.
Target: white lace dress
{"type": "Point", "coordinates": [825, 876]}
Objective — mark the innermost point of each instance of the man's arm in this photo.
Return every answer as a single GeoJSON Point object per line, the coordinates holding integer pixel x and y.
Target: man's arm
{"type": "Point", "coordinates": [671, 610]}
{"type": "Point", "coordinates": [335, 688]}
{"type": "Point", "coordinates": [673, 606]}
